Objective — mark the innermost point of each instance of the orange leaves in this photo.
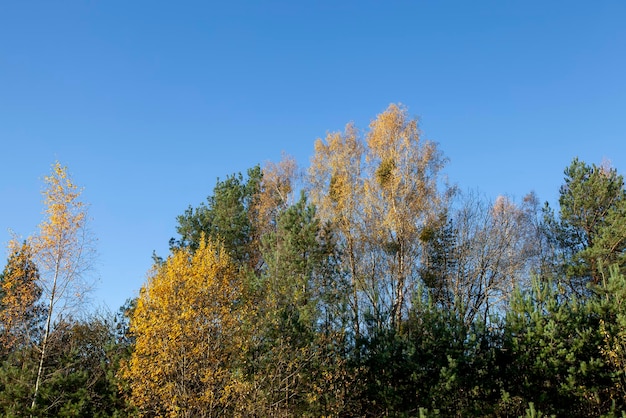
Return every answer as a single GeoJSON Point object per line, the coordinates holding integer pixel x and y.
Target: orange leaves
{"type": "Point", "coordinates": [19, 294]}
{"type": "Point", "coordinates": [188, 329]}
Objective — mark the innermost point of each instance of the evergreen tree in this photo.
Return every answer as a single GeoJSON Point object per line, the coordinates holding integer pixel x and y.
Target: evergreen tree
{"type": "Point", "coordinates": [552, 353]}
{"type": "Point", "coordinates": [299, 328]}
{"type": "Point", "coordinates": [591, 229]}
{"type": "Point", "coordinates": [227, 216]}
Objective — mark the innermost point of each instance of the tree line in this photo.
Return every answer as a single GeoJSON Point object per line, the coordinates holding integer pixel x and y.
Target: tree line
{"type": "Point", "coordinates": [366, 285]}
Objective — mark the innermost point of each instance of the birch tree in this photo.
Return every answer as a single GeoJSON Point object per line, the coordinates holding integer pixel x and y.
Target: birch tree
{"type": "Point", "coordinates": [403, 199]}
{"type": "Point", "coordinates": [189, 330]}
{"type": "Point", "coordinates": [337, 189]}
{"type": "Point", "coordinates": [20, 311]}
{"type": "Point", "coordinates": [379, 191]}
{"type": "Point", "coordinates": [63, 251]}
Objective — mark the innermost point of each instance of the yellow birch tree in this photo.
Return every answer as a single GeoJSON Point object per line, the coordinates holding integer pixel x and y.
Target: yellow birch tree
{"type": "Point", "coordinates": [403, 198]}
{"type": "Point", "coordinates": [189, 332]}
{"type": "Point", "coordinates": [19, 294]}
{"type": "Point", "coordinates": [63, 252]}
{"type": "Point", "coordinates": [379, 192]}
{"type": "Point", "coordinates": [337, 190]}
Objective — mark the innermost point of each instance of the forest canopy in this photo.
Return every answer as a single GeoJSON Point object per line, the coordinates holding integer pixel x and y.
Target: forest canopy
{"type": "Point", "coordinates": [362, 285]}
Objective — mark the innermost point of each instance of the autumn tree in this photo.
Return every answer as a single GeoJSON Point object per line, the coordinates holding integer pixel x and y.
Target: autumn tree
{"type": "Point", "coordinates": [404, 197]}
{"type": "Point", "coordinates": [274, 195]}
{"type": "Point", "coordinates": [336, 179]}
{"type": "Point", "coordinates": [20, 312]}
{"type": "Point", "coordinates": [189, 336]}
{"type": "Point", "coordinates": [63, 251]}
{"type": "Point", "coordinates": [380, 191]}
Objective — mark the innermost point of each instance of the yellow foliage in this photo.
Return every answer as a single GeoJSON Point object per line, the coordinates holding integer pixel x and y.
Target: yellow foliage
{"type": "Point", "coordinates": [379, 192]}
{"type": "Point", "coordinates": [614, 352]}
{"type": "Point", "coordinates": [336, 174]}
{"type": "Point", "coordinates": [275, 193]}
{"type": "Point", "coordinates": [19, 292]}
{"type": "Point", "coordinates": [62, 251]}
{"type": "Point", "coordinates": [189, 336]}
{"type": "Point", "coordinates": [62, 248]}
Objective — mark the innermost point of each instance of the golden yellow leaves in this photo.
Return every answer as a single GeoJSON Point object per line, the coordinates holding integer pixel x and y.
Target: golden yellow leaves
{"type": "Point", "coordinates": [63, 208]}
{"type": "Point", "coordinates": [188, 328]}
{"type": "Point", "coordinates": [61, 253]}
{"type": "Point", "coordinates": [336, 173]}
{"type": "Point", "coordinates": [379, 191]}
{"type": "Point", "coordinates": [19, 293]}
{"type": "Point", "coordinates": [62, 235]}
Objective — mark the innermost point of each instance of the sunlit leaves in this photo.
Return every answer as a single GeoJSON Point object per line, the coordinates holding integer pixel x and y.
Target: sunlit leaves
{"type": "Point", "coordinates": [189, 334]}
{"type": "Point", "coordinates": [379, 191]}
{"type": "Point", "coordinates": [19, 294]}
{"type": "Point", "coordinates": [63, 251]}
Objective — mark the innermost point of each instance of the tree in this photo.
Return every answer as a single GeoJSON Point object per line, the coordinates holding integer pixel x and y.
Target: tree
{"type": "Point", "coordinates": [63, 252]}
{"type": "Point", "coordinates": [478, 253]}
{"type": "Point", "coordinates": [612, 297]}
{"type": "Point", "coordinates": [18, 371]}
{"type": "Point", "coordinates": [552, 352]}
{"type": "Point", "coordinates": [274, 195]}
{"type": "Point", "coordinates": [403, 198]}
{"type": "Point", "coordinates": [299, 327]}
{"type": "Point", "coordinates": [20, 313]}
{"type": "Point", "coordinates": [189, 336]}
{"type": "Point", "coordinates": [337, 189]}
{"type": "Point", "coordinates": [591, 230]}
{"type": "Point", "coordinates": [225, 217]}
{"type": "Point", "coordinates": [84, 355]}
{"type": "Point", "coordinates": [380, 192]}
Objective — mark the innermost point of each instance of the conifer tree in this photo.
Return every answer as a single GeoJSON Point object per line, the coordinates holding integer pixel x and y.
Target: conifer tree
{"type": "Point", "coordinates": [590, 232]}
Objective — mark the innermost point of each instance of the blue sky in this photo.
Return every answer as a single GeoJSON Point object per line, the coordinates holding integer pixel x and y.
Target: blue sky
{"type": "Point", "coordinates": [148, 102]}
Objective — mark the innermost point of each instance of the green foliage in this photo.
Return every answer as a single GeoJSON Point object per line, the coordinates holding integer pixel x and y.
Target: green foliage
{"type": "Point", "coordinates": [531, 412]}
{"type": "Point", "coordinates": [297, 364]}
{"type": "Point", "coordinates": [435, 361]}
{"type": "Point", "coordinates": [612, 299]}
{"type": "Point", "coordinates": [227, 216]}
{"type": "Point", "coordinates": [84, 357]}
{"type": "Point", "coordinates": [552, 352]}
{"type": "Point", "coordinates": [591, 229]}
{"type": "Point", "coordinates": [18, 371]}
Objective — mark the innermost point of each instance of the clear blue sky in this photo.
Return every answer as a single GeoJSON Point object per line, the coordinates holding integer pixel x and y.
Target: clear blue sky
{"type": "Point", "coordinates": [148, 102]}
